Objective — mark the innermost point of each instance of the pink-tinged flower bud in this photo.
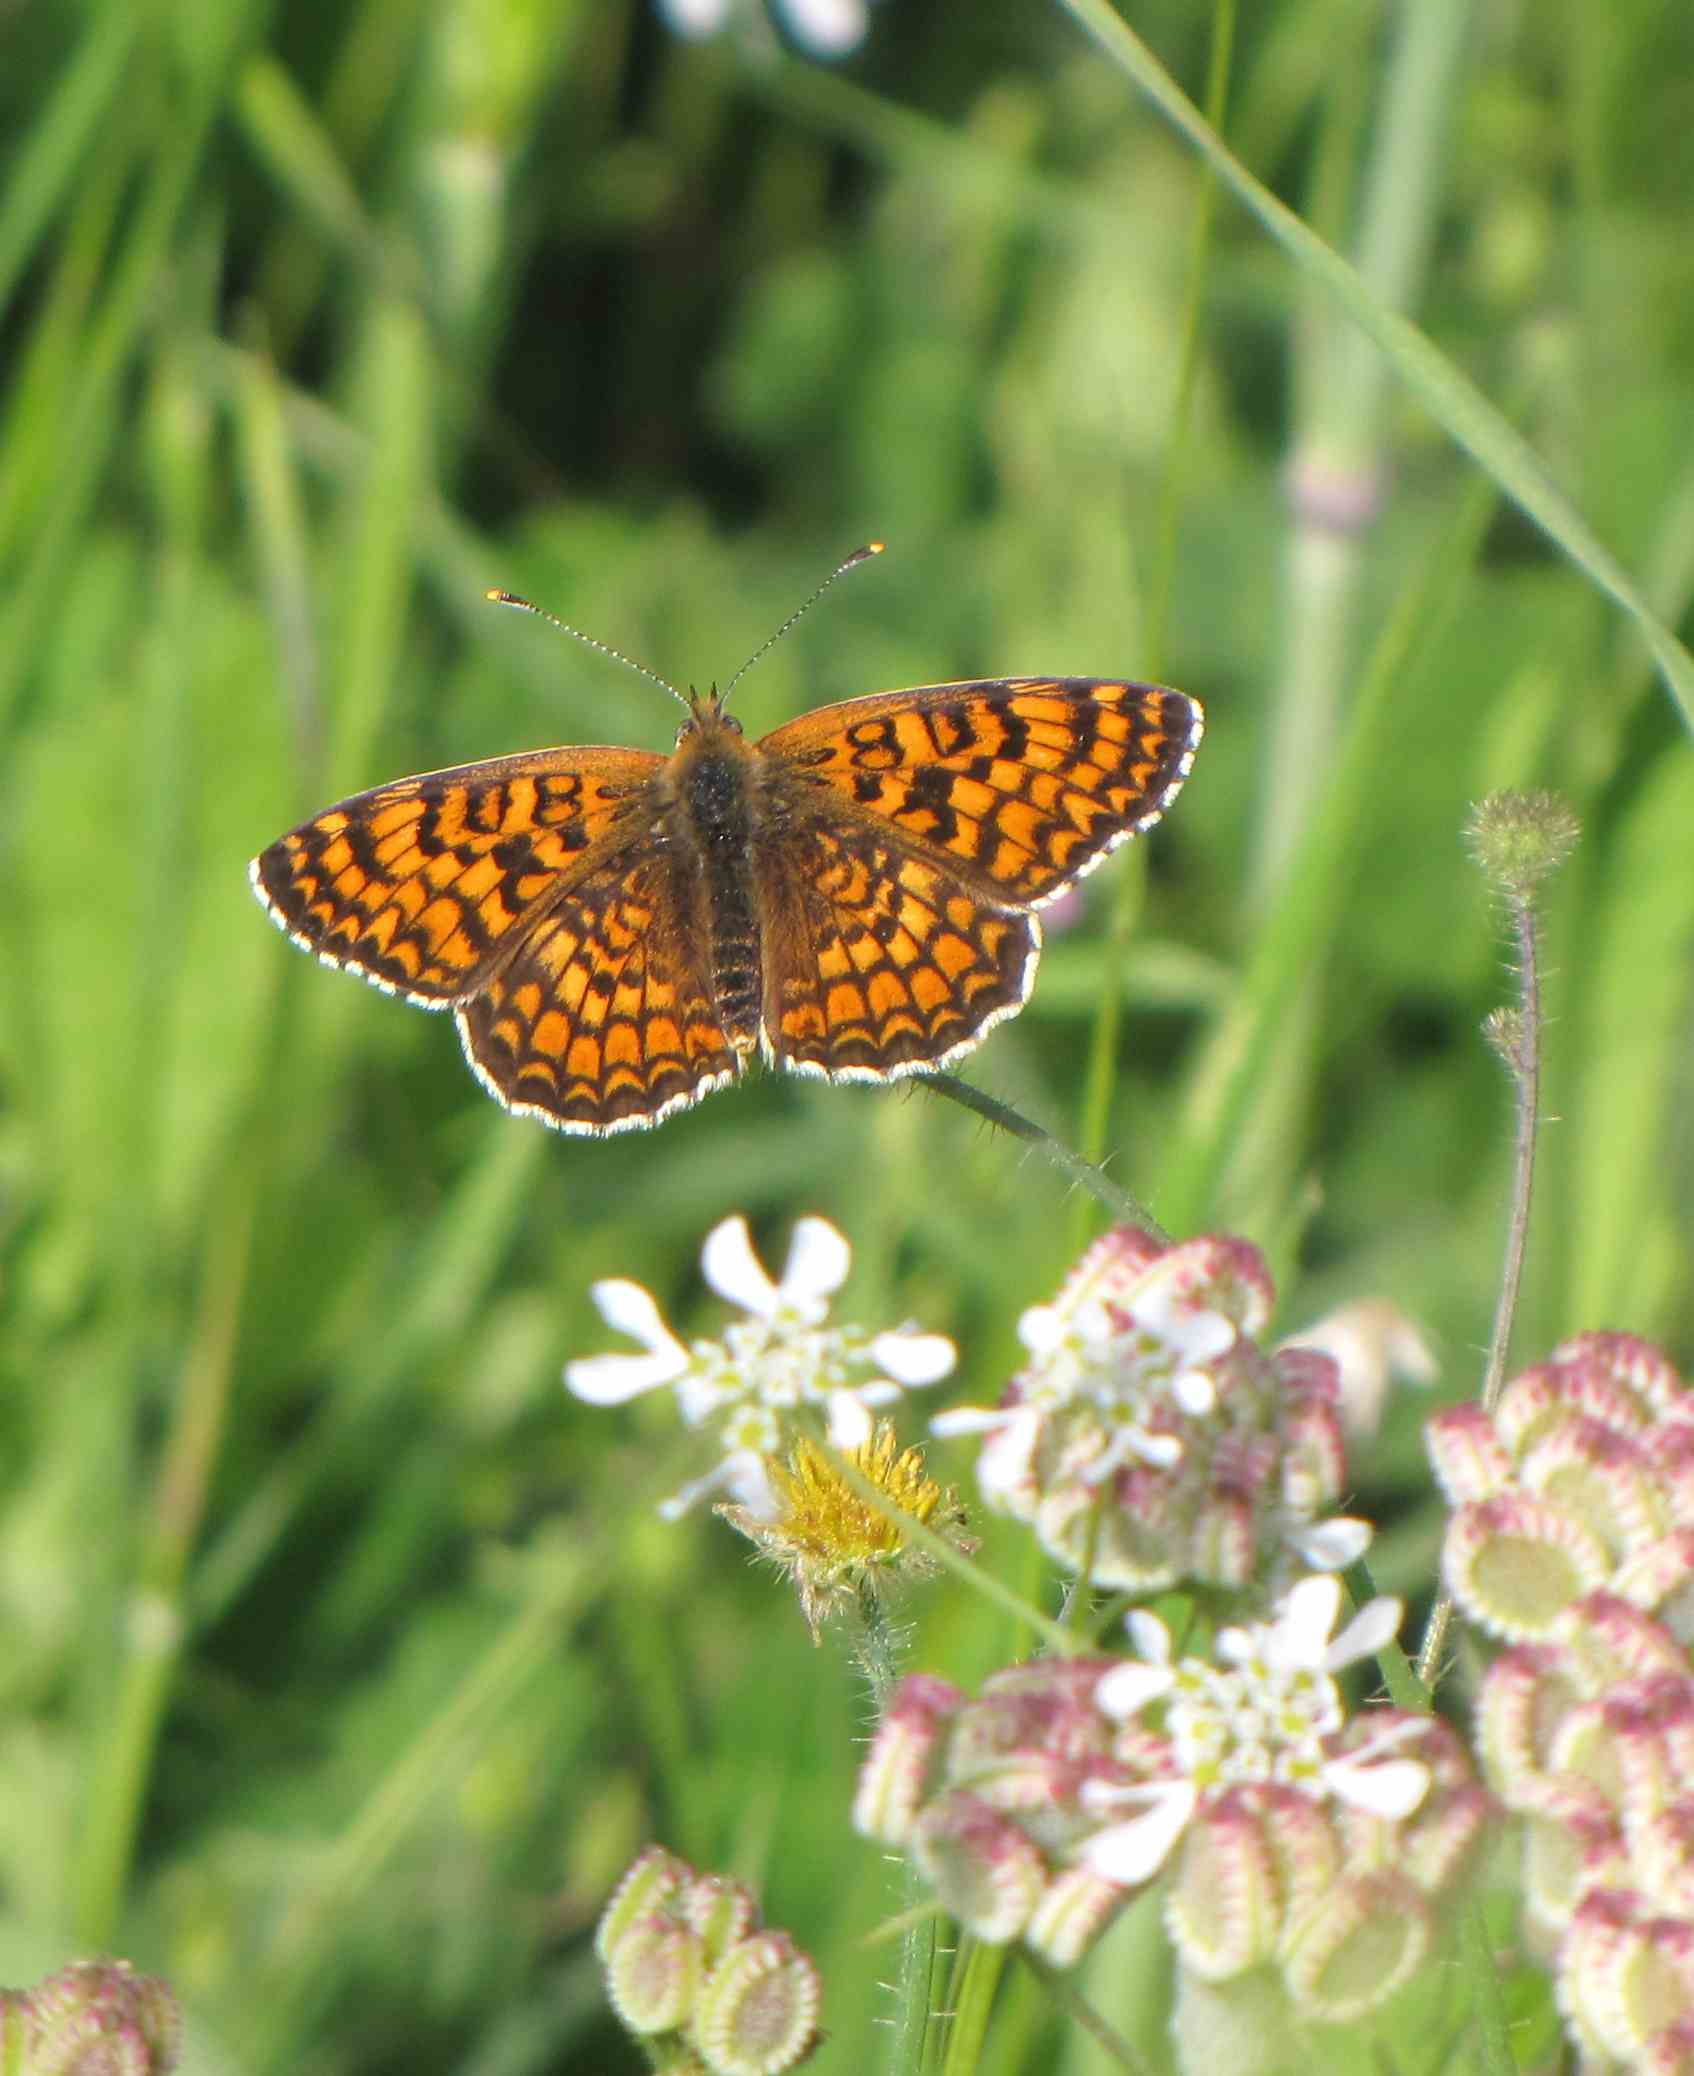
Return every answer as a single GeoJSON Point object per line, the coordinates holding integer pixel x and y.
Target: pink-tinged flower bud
{"type": "Point", "coordinates": [653, 1973]}
{"type": "Point", "coordinates": [1605, 1640]}
{"type": "Point", "coordinates": [1216, 1273]}
{"type": "Point", "coordinates": [1466, 1453]}
{"type": "Point", "coordinates": [1366, 1938]}
{"type": "Point", "coordinates": [758, 2011]}
{"type": "Point", "coordinates": [1304, 1845]}
{"type": "Point", "coordinates": [1671, 2051]}
{"type": "Point", "coordinates": [1314, 1445]}
{"type": "Point", "coordinates": [1224, 1910]}
{"type": "Point", "coordinates": [1670, 1450]}
{"type": "Point", "coordinates": [903, 1765]}
{"type": "Point", "coordinates": [98, 2018]}
{"type": "Point", "coordinates": [1624, 1976]}
{"type": "Point", "coordinates": [1644, 1372]}
{"type": "Point", "coordinates": [986, 1870]}
{"type": "Point", "coordinates": [653, 1879]}
{"type": "Point", "coordinates": [1045, 1709]}
{"type": "Point", "coordinates": [1076, 1906]}
{"type": "Point", "coordinates": [1514, 1563]}
{"type": "Point", "coordinates": [1573, 1843]}
{"type": "Point", "coordinates": [1647, 1729]}
{"type": "Point", "coordinates": [1525, 1695]}
{"type": "Point", "coordinates": [721, 1911]}
{"type": "Point", "coordinates": [1661, 1578]}
{"type": "Point", "coordinates": [1662, 1856]}
{"type": "Point", "coordinates": [1603, 1478]}
{"type": "Point", "coordinates": [1221, 1544]}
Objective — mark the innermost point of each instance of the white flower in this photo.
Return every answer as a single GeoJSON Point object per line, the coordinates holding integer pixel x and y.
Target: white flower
{"type": "Point", "coordinates": [1270, 1712]}
{"type": "Point", "coordinates": [1122, 1348]}
{"type": "Point", "coordinates": [781, 1355]}
{"type": "Point", "coordinates": [827, 28]}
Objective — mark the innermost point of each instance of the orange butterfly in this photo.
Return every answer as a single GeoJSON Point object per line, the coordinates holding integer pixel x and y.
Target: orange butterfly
{"type": "Point", "coordinates": [853, 895]}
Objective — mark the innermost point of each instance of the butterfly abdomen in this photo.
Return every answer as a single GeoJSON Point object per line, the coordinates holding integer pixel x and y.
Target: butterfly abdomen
{"type": "Point", "coordinates": [715, 797]}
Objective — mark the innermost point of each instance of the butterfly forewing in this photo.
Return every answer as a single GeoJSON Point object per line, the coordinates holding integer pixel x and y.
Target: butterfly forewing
{"type": "Point", "coordinates": [418, 884]}
{"type": "Point", "coordinates": [1025, 783]}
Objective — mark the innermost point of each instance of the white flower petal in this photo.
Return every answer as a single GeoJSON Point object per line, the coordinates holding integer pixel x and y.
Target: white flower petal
{"type": "Point", "coordinates": [1390, 1788]}
{"type": "Point", "coordinates": [695, 17]}
{"type": "Point", "coordinates": [971, 1420]}
{"type": "Point", "coordinates": [1195, 1393]}
{"type": "Point", "coordinates": [741, 1474]}
{"type": "Point", "coordinates": [1129, 1688]}
{"type": "Point", "coordinates": [850, 1424]}
{"type": "Point", "coordinates": [878, 1392]}
{"type": "Point", "coordinates": [730, 1266]}
{"type": "Point", "coordinates": [1162, 1451]}
{"type": "Point", "coordinates": [629, 1309]}
{"type": "Point", "coordinates": [1372, 1627]}
{"type": "Point", "coordinates": [1134, 1852]}
{"type": "Point", "coordinates": [817, 1265]}
{"type": "Point", "coordinates": [830, 28]}
{"type": "Point", "coordinates": [1041, 1329]}
{"type": "Point", "coordinates": [1334, 1544]}
{"type": "Point", "coordinates": [1152, 1640]}
{"type": "Point", "coordinates": [912, 1358]}
{"type": "Point", "coordinates": [611, 1380]}
{"type": "Point", "coordinates": [1300, 1633]}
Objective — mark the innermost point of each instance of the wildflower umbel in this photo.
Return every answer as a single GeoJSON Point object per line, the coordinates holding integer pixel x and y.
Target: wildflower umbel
{"type": "Point", "coordinates": [779, 1358]}
{"type": "Point", "coordinates": [1589, 1736]}
{"type": "Point", "coordinates": [1299, 1844]}
{"type": "Point", "coordinates": [693, 1974]}
{"type": "Point", "coordinates": [839, 1550]}
{"type": "Point", "coordinates": [94, 2016]}
{"type": "Point", "coordinates": [1149, 1439]}
{"type": "Point", "coordinates": [1581, 1479]}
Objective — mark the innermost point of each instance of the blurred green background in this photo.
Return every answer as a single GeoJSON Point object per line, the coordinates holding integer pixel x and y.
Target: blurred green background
{"type": "Point", "coordinates": [345, 1660]}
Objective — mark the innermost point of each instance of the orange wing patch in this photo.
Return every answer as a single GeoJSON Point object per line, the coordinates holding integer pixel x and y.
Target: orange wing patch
{"type": "Point", "coordinates": [595, 1022]}
{"type": "Point", "coordinates": [416, 884]}
{"type": "Point", "coordinates": [878, 961]}
{"type": "Point", "coordinates": [1025, 783]}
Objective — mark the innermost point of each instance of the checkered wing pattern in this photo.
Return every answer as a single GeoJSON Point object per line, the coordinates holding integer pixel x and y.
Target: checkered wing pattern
{"type": "Point", "coordinates": [418, 885]}
{"type": "Point", "coordinates": [1021, 784]}
{"type": "Point", "coordinates": [600, 1021]}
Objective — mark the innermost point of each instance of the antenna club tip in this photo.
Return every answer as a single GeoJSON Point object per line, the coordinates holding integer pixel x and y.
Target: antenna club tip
{"type": "Point", "coordinates": [871, 548]}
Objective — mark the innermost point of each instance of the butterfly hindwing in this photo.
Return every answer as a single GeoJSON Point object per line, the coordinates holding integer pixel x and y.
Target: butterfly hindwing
{"type": "Point", "coordinates": [599, 1020]}
{"type": "Point", "coordinates": [878, 960]}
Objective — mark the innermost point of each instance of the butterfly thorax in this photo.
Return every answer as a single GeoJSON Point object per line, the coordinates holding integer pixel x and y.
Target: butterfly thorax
{"type": "Point", "coordinates": [712, 788]}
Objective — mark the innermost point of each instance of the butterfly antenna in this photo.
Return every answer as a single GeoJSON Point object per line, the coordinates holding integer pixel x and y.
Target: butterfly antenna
{"type": "Point", "coordinates": [858, 555]}
{"type": "Point", "coordinates": [525, 605]}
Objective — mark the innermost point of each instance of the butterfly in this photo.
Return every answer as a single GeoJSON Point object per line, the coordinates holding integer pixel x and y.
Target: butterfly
{"type": "Point", "coordinates": [854, 895]}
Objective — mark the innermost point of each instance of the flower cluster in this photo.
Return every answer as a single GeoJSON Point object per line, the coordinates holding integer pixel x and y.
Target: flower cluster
{"type": "Point", "coordinates": [1588, 1735]}
{"type": "Point", "coordinates": [777, 1359]}
{"type": "Point", "coordinates": [690, 1970]}
{"type": "Point", "coordinates": [94, 2016]}
{"type": "Point", "coordinates": [1150, 1439]}
{"type": "Point", "coordinates": [1299, 1840]}
{"type": "Point", "coordinates": [1581, 1479]}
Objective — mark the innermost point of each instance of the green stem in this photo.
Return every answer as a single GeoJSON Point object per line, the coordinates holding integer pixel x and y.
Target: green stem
{"type": "Point", "coordinates": [1122, 1206]}
{"type": "Point", "coordinates": [1523, 1056]}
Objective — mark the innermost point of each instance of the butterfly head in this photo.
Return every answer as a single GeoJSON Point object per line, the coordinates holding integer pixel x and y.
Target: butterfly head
{"type": "Point", "coordinates": [706, 715]}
